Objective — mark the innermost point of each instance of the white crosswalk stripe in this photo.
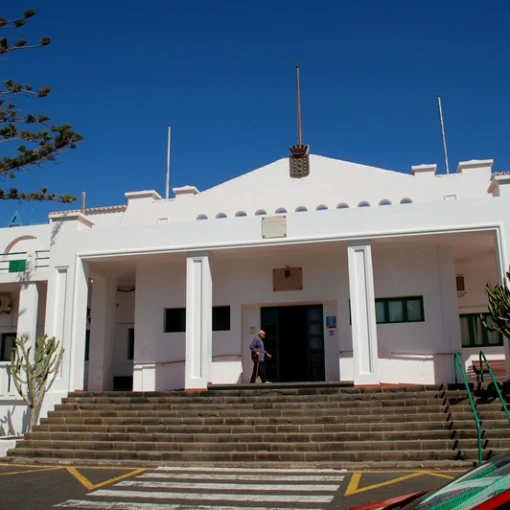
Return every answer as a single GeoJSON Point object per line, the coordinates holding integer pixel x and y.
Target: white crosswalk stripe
{"type": "Point", "coordinates": [170, 488]}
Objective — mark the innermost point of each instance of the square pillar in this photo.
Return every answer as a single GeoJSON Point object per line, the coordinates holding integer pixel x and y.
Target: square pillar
{"type": "Point", "coordinates": [364, 330]}
{"type": "Point", "coordinates": [102, 333]}
{"type": "Point", "coordinates": [78, 327]}
{"type": "Point", "coordinates": [198, 321]}
{"type": "Point", "coordinates": [27, 311]}
{"type": "Point", "coordinates": [449, 301]}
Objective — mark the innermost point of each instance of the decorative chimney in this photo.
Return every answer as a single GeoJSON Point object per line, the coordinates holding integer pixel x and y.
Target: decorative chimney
{"type": "Point", "coordinates": [299, 161]}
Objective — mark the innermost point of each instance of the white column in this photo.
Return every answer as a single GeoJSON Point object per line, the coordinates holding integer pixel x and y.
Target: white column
{"type": "Point", "coordinates": [102, 333]}
{"type": "Point", "coordinates": [364, 331]}
{"type": "Point", "coordinates": [198, 321]}
{"type": "Point", "coordinates": [27, 311]}
{"type": "Point", "coordinates": [76, 356]}
{"type": "Point", "coordinates": [449, 301]}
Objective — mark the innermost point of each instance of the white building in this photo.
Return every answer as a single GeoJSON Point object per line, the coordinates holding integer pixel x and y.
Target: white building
{"type": "Point", "coordinates": [178, 288]}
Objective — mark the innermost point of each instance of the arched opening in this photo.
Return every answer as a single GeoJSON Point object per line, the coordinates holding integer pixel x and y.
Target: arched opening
{"type": "Point", "coordinates": [406, 201]}
{"type": "Point", "coordinates": [385, 202]}
{"type": "Point", "coordinates": [301, 208]}
{"type": "Point", "coordinates": [363, 204]}
{"type": "Point", "coordinates": [281, 210]}
{"type": "Point", "coordinates": [241, 214]}
{"type": "Point", "coordinates": [260, 212]}
{"type": "Point", "coordinates": [201, 217]}
{"type": "Point", "coordinates": [322, 207]}
{"type": "Point", "coordinates": [342, 206]}
{"type": "Point", "coordinates": [221, 216]}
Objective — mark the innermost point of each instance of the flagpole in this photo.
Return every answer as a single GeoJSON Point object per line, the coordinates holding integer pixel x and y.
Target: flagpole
{"type": "Point", "coordinates": [443, 134]}
{"type": "Point", "coordinates": [167, 186]}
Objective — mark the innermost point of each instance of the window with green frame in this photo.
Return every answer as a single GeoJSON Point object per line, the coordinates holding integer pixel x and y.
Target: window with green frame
{"type": "Point", "coordinates": [474, 334]}
{"type": "Point", "coordinates": [401, 309]}
{"type": "Point", "coordinates": [397, 310]}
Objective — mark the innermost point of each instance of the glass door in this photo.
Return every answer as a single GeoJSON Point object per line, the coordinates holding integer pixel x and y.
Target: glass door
{"type": "Point", "coordinates": [315, 342]}
{"type": "Point", "coordinates": [269, 323]}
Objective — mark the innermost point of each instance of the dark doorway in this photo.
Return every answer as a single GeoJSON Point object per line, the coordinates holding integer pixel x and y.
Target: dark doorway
{"type": "Point", "coordinates": [295, 339]}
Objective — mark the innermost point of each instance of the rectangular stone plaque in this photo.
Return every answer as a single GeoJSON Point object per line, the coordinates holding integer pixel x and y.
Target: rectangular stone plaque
{"type": "Point", "coordinates": [274, 227]}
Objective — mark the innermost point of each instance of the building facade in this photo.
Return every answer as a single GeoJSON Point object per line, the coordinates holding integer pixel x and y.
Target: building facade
{"type": "Point", "coordinates": [356, 273]}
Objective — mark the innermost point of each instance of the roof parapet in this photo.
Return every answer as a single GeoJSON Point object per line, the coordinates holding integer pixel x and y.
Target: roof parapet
{"type": "Point", "coordinates": [426, 169]}
{"type": "Point", "coordinates": [475, 164]}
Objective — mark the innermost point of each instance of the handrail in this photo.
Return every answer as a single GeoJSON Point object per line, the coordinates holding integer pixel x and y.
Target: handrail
{"type": "Point", "coordinates": [457, 361]}
{"type": "Point", "coordinates": [494, 381]}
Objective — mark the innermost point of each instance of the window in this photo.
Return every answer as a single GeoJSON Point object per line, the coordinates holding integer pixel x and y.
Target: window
{"type": "Point", "coordinates": [221, 318]}
{"type": "Point", "coordinates": [474, 334]}
{"type": "Point", "coordinates": [394, 310]}
{"type": "Point", "coordinates": [397, 310]}
{"type": "Point", "coordinates": [17, 266]}
{"type": "Point", "coordinates": [87, 344]}
{"type": "Point", "coordinates": [6, 344]}
{"type": "Point", "coordinates": [175, 319]}
{"type": "Point", "coordinates": [131, 343]}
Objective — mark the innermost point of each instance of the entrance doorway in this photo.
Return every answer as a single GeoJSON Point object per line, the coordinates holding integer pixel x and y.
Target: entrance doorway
{"type": "Point", "coordinates": [295, 339]}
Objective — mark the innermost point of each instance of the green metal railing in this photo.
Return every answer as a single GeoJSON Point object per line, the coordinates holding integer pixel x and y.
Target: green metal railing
{"type": "Point", "coordinates": [457, 362]}
{"type": "Point", "coordinates": [481, 357]}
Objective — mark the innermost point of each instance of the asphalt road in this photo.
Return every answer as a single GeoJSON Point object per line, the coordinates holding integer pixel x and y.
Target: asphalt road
{"type": "Point", "coordinates": [25, 487]}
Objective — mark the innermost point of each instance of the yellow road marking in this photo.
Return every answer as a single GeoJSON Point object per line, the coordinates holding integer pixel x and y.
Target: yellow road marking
{"type": "Point", "coordinates": [31, 471]}
{"type": "Point", "coordinates": [90, 486]}
{"type": "Point", "coordinates": [440, 475]}
{"type": "Point", "coordinates": [352, 488]}
{"type": "Point", "coordinates": [9, 464]}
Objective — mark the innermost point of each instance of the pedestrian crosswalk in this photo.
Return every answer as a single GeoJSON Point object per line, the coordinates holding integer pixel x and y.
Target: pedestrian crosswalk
{"type": "Point", "coordinates": [173, 488]}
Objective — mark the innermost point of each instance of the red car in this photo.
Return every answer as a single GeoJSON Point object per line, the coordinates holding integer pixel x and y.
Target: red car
{"type": "Point", "coordinates": [486, 487]}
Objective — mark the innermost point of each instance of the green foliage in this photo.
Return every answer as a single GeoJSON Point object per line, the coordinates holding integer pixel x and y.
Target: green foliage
{"type": "Point", "coordinates": [499, 308]}
{"type": "Point", "coordinates": [31, 374]}
{"type": "Point", "coordinates": [35, 140]}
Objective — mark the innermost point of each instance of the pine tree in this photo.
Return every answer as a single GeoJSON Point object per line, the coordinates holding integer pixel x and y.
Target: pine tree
{"type": "Point", "coordinates": [31, 137]}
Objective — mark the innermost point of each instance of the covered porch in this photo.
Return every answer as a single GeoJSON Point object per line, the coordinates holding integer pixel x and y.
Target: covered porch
{"type": "Point", "coordinates": [387, 310]}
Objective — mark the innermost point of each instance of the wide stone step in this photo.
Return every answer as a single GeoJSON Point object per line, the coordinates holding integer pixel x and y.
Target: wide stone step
{"type": "Point", "coordinates": [205, 397]}
{"type": "Point", "coordinates": [247, 437]}
{"type": "Point", "coordinates": [254, 446]}
{"type": "Point", "coordinates": [342, 404]}
{"type": "Point", "coordinates": [253, 457]}
{"type": "Point", "coordinates": [263, 418]}
{"type": "Point", "coordinates": [191, 398]}
{"type": "Point", "coordinates": [251, 412]}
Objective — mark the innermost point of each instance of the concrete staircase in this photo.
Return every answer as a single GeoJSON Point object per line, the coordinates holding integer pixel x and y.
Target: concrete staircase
{"type": "Point", "coordinates": [271, 425]}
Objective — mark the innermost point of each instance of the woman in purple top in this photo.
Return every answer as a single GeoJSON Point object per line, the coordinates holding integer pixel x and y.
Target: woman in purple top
{"type": "Point", "coordinates": [258, 355]}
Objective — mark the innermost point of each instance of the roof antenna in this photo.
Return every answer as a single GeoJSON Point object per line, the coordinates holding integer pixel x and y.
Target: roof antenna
{"type": "Point", "coordinates": [443, 134]}
{"type": "Point", "coordinates": [299, 161]}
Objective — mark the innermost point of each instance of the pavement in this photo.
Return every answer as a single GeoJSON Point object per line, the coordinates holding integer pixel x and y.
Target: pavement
{"type": "Point", "coordinates": [44, 487]}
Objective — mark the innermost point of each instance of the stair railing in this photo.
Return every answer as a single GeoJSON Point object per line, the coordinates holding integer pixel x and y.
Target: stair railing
{"type": "Point", "coordinates": [457, 363]}
{"type": "Point", "coordinates": [481, 357]}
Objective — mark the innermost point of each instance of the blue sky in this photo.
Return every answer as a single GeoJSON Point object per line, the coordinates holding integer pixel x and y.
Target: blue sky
{"type": "Point", "coordinates": [222, 73]}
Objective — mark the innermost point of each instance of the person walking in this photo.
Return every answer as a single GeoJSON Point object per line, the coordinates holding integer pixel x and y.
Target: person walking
{"type": "Point", "coordinates": [258, 356]}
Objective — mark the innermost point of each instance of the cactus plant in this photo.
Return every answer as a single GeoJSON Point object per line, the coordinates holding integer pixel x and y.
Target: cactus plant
{"type": "Point", "coordinates": [31, 373]}
{"type": "Point", "coordinates": [499, 308]}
